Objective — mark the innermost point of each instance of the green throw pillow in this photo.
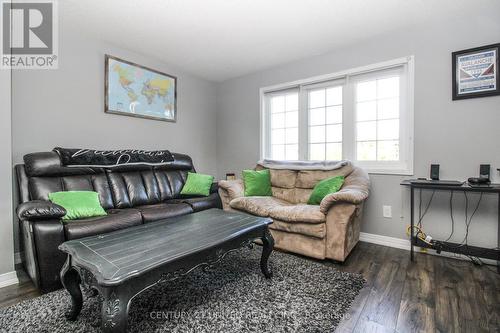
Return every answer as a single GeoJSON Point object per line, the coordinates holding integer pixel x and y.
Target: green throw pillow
{"type": "Point", "coordinates": [325, 187]}
{"type": "Point", "coordinates": [197, 184]}
{"type": "Point", "coordinates": [257, 183]}
{"type": "Point", "coordinates": [78, 204]}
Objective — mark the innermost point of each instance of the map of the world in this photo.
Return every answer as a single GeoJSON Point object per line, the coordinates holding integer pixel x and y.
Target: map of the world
{"type": "Point", "coordinates": [138, 91]}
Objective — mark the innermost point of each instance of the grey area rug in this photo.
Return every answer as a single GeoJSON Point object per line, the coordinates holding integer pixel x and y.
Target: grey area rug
{"type": "Point", "coordinates": [303, 296]}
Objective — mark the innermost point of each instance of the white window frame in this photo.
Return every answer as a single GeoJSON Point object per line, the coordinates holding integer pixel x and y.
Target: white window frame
{"type": "Point", "coordinates": [402, 167]}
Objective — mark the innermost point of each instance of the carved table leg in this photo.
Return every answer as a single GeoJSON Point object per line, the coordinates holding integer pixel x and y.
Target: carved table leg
{"type": "Point", "coordinates": [114, 310]}
{"type": "Point", "coordinates": [71, 281]}
{"type": "Point", "coordinates": [268, 242]}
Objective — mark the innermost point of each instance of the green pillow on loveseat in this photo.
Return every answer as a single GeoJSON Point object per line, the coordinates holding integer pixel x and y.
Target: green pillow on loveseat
{"type": "Point", "coordinates": [257, 183]}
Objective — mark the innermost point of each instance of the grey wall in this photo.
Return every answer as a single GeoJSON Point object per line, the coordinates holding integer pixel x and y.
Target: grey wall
{"type": "Point", "coordinates": [65, 107]}
{"type": "Point", "coordinates": [6, 241]}
{"type": "Point", "coordinates": [459, 135]}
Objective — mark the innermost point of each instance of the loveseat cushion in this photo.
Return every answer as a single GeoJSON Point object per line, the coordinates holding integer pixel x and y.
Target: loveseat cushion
{"type": "Point", "coordinates": [115, 220]}
{"type": "Point", "coordinates": [297, 213]}
{"type": "Point", "coordinates": [260, 206]}
{"type": "Point", "coordinates": [317, 230]}
{"type": "Point", "coordinates": [152, 213]}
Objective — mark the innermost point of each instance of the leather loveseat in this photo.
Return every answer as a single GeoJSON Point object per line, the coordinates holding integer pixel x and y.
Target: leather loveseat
{"type": "Point", "coordinates": [326, 231]}
{"type": "Point", "coordinates": [131, 195]}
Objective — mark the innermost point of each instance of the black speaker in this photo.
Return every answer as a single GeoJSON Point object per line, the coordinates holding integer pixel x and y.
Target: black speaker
{"type": "Point", "coordinates": [435, 171]}
{"type": "Point", "coordinates": [484, 171]}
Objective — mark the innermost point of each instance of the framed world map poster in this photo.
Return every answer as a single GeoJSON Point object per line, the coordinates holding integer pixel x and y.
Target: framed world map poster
{"type": "Point", "coordinates": [138, 91]}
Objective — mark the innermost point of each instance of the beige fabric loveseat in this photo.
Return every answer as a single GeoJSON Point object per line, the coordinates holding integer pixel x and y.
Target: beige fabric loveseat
{"type": "Point", "coordinates": [329, 230]}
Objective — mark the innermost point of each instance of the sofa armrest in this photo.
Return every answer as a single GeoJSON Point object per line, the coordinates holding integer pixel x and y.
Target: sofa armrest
{"type": "Point", "coordinates": [343, 223]}
{"type": "Point", "coordinates": [229, 190]}
{"type": "Point", "coordinates": [356, 189]}
{"type": "Point", "coordinates": [214, 188]}
{"type": "Point", "coordinates": [39, 210]}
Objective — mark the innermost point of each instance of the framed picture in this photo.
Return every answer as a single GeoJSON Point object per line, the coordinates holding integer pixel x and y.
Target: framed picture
{"type": "Point", "coordinates": [475, 72]}
{"type": "Point", "coordinates": [137, 91]}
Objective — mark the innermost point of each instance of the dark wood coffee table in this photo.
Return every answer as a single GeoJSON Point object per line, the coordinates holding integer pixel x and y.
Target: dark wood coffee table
{"type": "Point", "coordinates": [122, 264]}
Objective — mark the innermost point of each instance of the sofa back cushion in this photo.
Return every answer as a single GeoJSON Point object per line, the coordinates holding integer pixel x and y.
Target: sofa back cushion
{"type": "Point", "coordinates": [122, 187]}
{"type": "Point", "coordinates": [295, 186]}
{"type": "Point", "coordinates": [309, 178]}
{"type": "Point", "coordinates": [40, 187]}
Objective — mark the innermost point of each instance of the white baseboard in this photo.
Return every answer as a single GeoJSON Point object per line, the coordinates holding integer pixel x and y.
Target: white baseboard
{"type": "Point", "coordinates": [8, 279]}
{"type": "Point", "coordinates": [397, 243]}
{"type": "Point", "coordinates": [404, 244]}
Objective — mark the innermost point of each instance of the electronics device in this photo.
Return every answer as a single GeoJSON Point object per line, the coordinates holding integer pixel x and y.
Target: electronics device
{"type": "Point", "coordinates": [478, 180]}
{"type": "Point", "coordinates": [435, 171]}
{"type": "Point", "coordinates": [484, 171]}
{"type": "Point", "coordinates": [436, 182]}
{"type": "Point", "coordinates": [484, 176]}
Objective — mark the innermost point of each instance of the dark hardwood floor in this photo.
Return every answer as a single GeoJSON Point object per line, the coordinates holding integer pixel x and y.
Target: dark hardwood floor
{"type": "Point", "coordinates": [434, 294]}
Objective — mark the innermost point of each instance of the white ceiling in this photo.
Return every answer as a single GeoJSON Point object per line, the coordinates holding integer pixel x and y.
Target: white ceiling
{"type": "Point", "coordinates": [222, 39]}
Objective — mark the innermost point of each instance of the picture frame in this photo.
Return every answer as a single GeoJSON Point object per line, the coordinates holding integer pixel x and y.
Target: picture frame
{"type": "Point", "coordinates": [138, 91]}
{"type": "Point", "coordinates": [475, 72]}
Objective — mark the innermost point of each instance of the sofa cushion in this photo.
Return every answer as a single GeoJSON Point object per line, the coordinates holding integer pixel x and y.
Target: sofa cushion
{"type": "Point", "coordinates": [287, 194]}
{"type": "Point", "coordinates": [297, 213]}
{"type": "Point", "coordinates": [283, 178]}
{"type": "Point", "coordinates": [302, 195]}
{"type": "Point", "coordinates": [201, 203]}
{"type": "Point", "coordinates": [115, 220]}
{"type": "Point", "coordinates": [259, 206]}
{"type": "Point", "coordinates": [309, 178]}
{"type": "Point", "coordinates": [152, 213]}
{"type": "Point", "coordinates": [317, 230]}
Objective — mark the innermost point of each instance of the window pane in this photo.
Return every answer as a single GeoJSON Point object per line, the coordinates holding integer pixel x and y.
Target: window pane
{"type": "Point", "coordinates": [334, 133]}
{"type": "Point", "coordinates": [334, 96]}
{"type": "Point", "coordinates": [388, 129]}
{"type": "Point", "coordinates": [317, 116]}
{"type": "Point", "coordinates": [317, 151]}
{"type": "Point", "coordinates": [316, 134]}
{"type": "Point", "coordinates": [366, 111]}
{"type": "Point", "coordinates": [317, 98]}
{"type": "Point", "coordinates": [278, 120]}
{"type": "Point", "coordinates": [366, 91]}
{"type": "Point", "coordinates": [334, 151]}
{"type": "Point", "coordinates": [292, 119]}
{"type": "Point", "coordinates": [366, 130]}
{"type": "Point", "coordinates": [388, 108]}
{"type": "Point", "coordinates": [277, 104]}
{"type": "Point", "coordinates": [366, 151]}
{"type": "Point", "coordinates": [278, 152]}
{"type": "Point", "coordinates": [292, 102]}
{"type": "Point", "coordinates": [277, 136]}
{"type": "Point", "coordinates": [388, 150]}
{"type": "Point", "coordinates": [388, 87]}
{"type": "Point", "coordinates": [292, 135]}
{"type": "Point", "coordinates": [334, 115]}
{"type": "Point", "coordinates": [292, 152]}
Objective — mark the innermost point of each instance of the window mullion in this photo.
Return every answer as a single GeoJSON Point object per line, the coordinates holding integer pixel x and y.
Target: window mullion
{"type": "Point", "coordinates": [349, 122]}
{"type": "Point", "coordinates": [303, 125]}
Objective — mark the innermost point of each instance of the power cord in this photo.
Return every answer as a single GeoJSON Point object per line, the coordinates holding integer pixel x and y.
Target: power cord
{"type": "Point", "coordinates": [452, 219]}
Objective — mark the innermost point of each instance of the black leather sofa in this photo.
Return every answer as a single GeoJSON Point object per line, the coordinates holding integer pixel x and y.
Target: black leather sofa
{"type": "Point", "coordinates": [131, 195]}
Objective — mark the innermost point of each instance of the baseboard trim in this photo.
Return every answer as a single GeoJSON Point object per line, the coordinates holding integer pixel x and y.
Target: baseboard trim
{"type": "Point", "coordinates": [397, 243]}
{"type": "Point", "coordinates": [404, 244]}
{"type": "Point", "coordinates": [8, 279]}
